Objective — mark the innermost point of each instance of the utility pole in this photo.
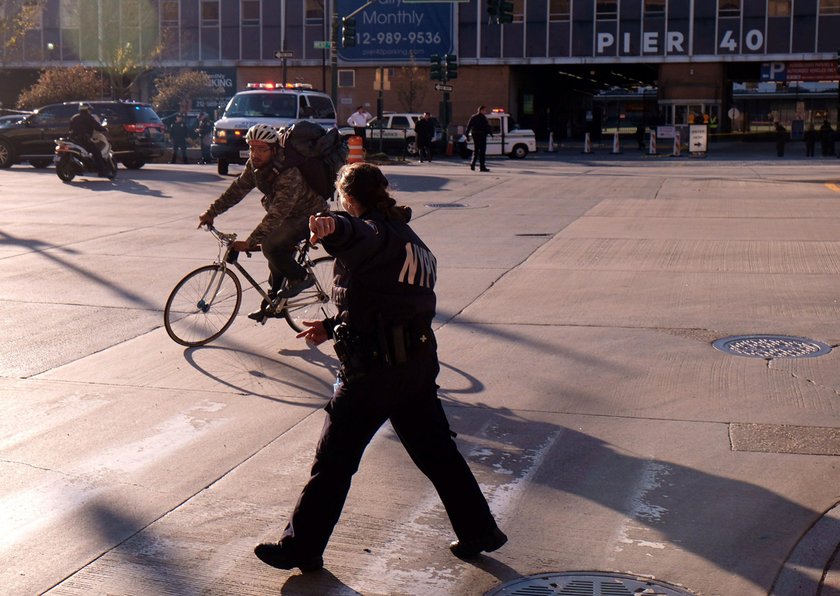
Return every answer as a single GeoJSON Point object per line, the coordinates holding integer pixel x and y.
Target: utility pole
{"type": "Point", "coordinates": [334, 54]}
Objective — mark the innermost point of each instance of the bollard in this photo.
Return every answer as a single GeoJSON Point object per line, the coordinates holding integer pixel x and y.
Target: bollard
{"type": "Point", "coordinates": [356, 152]}
{"type": "Point", "coordinates": [652, 147]}
{"type": "Point", "coordinates": [587, 144]}
{"type": "Point", "coordinates": [677, 144]}
{"type": "Point", "coordinates": [616, 143]}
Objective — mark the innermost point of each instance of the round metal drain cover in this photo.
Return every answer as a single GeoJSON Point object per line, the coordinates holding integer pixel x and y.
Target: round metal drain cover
{"type": "Point", "coordinates": [446, 205]}
{"type": "Point", "coordinates": [771, 346]}
{"type": "Point", "coordinates": [585, 584]}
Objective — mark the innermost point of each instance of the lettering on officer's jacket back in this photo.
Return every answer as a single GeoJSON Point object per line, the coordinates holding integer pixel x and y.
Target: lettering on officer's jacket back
{"type": "Point", "coordinates": [420, 267]}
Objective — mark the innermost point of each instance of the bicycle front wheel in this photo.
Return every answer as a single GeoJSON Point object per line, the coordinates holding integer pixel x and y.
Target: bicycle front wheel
{"type": "Point", "coordinates": [312, 303]}
{"type": "Point", "coordinates": [202, 306]}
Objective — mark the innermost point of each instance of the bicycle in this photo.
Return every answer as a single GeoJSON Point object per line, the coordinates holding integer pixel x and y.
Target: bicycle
{"type": "Point", "coordinates": [204, 304]}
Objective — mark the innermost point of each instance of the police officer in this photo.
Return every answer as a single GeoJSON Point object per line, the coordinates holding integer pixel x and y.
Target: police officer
{"type": "Point", "coordinates": [384, 291]}
{"type": "Point", "coordinates": [82, 126]}
{"type": "Point", "coordinates": [288, 201]}
{"type": "Point", "coordinates": [479, 126]}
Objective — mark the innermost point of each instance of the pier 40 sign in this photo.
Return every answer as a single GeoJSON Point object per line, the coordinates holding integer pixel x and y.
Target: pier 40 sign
{"type": "Point", "coordinates": [397, 31]}
{"type": "Point", "coordinates": [673, 42]}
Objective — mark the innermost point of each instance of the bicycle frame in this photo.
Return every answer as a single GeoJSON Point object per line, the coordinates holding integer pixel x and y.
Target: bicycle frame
{"type": "Point", "coordinates": [229, 256]}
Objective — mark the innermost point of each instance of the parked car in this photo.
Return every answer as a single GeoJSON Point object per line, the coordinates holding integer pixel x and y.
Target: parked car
{"type": "Point", "coordinates": [507, 139]}
{"type": "Point", "coordinates": [135, 131]}
{"type": "Point", "coordinates": [396, 130]}
{"type": "Point", "coordinates": [12, 118]}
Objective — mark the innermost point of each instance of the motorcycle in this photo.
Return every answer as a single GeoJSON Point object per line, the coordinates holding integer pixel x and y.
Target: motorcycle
{"type": "Point", "coordinates": [71, 159]}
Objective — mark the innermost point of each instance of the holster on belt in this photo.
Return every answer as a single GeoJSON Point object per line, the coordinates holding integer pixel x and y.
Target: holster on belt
{"type": "Point", "coordinates": [390, 345]}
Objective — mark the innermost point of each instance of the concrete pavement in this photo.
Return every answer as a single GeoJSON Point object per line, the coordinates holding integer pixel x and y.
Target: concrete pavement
{"type": "Point", "coordinates": [578, 299]}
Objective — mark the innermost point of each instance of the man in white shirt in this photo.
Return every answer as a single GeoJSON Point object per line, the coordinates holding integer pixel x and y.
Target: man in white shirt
{"type": "Point", "coordinates": [358, 120]}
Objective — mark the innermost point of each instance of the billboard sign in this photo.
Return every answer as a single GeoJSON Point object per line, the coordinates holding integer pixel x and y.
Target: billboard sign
{"type": "Point", "coordinates": [814, 70]}
{"type": "Point", "coordinates": [397, 31]}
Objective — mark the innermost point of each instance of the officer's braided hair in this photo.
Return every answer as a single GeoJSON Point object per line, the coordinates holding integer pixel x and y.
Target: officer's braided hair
{"type": "Point", "coordinates": [369, 188]}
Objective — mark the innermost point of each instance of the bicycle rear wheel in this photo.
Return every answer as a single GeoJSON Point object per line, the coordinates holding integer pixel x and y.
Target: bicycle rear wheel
{"type": "Point", "coordinates": [202, 306]}
{"type": "Point", "coordinates": [308, 304]}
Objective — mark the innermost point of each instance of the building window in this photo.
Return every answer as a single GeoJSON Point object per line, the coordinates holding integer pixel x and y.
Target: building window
{"type": "Point", "coordinates": [169, 13]}
{"type": "Point", "coordinates": [250, 13]}
{"type": "Point", "coordinates": [559, 10]}
{"type": "Point", "coordinates": [346, 78]}
{"type": "Point", "coordinates": [778, 8]}
{"type": "Point", "coordinates": [655, 7]}
{"type": "Point", "coordinates": [606, 9]}
{"type": "Point", "coordinates": [518, 11]}
{"type": "Point", "coordinates": [829, 6]}
{"type": "Point", "coordinates": [70, 14]}
{"type": "Point", "coordinates": [729, 8]}
{"type": "Point", "coordinates": [209, 13]}
{"type": "Point", "coordinates": [314, 12]}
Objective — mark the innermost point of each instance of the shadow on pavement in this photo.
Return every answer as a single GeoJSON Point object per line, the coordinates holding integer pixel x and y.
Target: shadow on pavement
{"type": "Point", "coordinates": [321, 582]}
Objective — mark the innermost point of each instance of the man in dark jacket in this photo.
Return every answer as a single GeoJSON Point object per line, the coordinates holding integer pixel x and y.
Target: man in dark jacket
{"type": "Point", "coordinates": [479, 126]}
{"type": "Point", "coordinates": [178, 131]}
{"type": "Point", "coordinates": [424, 130]}
{"type": "Point", "coordinates": [82, 126]}
{"type": "Point", "coordinates": [205, 137]}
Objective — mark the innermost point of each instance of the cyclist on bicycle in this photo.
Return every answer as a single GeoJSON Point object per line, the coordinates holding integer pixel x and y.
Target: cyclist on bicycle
{"type": "Point", "coordinates": [288, 201]}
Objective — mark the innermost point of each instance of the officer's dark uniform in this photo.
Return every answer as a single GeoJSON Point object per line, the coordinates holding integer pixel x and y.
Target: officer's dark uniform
{"type": "Point", "coordinates": [480, 128]}
{"type": "Point", "coordinates": [384, 291]}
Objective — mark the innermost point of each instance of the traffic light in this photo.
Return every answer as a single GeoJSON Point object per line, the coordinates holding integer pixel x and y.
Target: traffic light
{"type": "Point", "coordinates": [451, 66]}
{"type": "Point", "coordinates": [493, 8]}
{"type": "Point", "coordinates": [348, 32]}
{"type": "Point", "coordinates": [435, 68]}
{"type": "Point", "coordinates": [505, 11]}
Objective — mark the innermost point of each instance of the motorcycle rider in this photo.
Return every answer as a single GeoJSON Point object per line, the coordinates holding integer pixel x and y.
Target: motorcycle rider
{"type": "Point", "coordinates": [82, 127]}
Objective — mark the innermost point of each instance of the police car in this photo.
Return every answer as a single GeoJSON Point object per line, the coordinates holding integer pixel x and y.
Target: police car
{"type": "Point", "coordinates": [508, 139]}
{"type": "Point", "coordinates": [395, 131]}
{"type": "Point", "coordinates": [266, 103]}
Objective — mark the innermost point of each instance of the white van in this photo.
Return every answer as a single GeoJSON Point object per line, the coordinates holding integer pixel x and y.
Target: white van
{"type": "Point", "coordinates": [266, 103]}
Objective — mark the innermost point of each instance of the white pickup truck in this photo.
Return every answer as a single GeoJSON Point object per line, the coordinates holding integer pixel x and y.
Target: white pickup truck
{"type": "Point", "coordinates": [507, 139]}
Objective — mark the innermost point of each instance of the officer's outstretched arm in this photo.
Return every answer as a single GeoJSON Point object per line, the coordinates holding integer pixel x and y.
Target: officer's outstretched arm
{"type": "Point", "coordinates": [321, 226]}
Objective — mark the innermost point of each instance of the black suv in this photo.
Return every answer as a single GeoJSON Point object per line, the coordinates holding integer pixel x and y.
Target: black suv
{"type": "Point", "coordinates": [134, 130]}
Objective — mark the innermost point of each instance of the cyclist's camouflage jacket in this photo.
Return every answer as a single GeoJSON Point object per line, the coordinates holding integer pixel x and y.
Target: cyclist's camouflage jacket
{"type": "Point", "coordinates": [285, 196]}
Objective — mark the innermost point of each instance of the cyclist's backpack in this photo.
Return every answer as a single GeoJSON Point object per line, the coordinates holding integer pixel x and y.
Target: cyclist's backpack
{"type": "Point", "coordinates": [316, 152]}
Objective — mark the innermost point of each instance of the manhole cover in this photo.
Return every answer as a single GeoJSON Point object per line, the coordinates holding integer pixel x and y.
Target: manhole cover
{"type": "Point", "coordinates": [585, 584]}
{"type": "Point", "coordinates": [446, 205]}
{"type": "Point", "coordinates": [771, 346]}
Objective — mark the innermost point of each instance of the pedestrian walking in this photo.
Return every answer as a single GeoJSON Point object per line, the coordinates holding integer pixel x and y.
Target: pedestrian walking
{"type": "Point", "coordinates": [810, 140]}
{"type": "Point", "coordinates": [424, 130]}
{"type": "Point", "coordinates": [205, 137]}
{"type": "Point", "coordinates": [480, 128]}
{"type": "Point", "coordinates": [384, 290]}
{"type": "Point", "coordinates": [178, 134]}
{"type": "Point", "coordinates": [640, 137]}
{"type": "Point", "coordinates": [827, 139]}
{"type": "Point", "coordinates": [781, 139]}
{"type": "Point", "coordinates": [359, 120]}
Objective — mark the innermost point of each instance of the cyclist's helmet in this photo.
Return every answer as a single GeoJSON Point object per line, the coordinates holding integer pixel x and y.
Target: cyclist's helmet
{"type": "Point", "coordinates": [264, 133]}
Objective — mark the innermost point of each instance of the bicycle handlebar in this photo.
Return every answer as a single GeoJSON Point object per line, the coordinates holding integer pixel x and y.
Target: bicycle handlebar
{"type": "Point", "coordinates": [228, 239]}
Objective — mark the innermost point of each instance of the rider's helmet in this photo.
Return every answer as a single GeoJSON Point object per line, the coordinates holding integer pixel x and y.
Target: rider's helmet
{"type": "Point", "coordinates": [263, 133]}
{"type": "Point", "coordinates": [85, 107]}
